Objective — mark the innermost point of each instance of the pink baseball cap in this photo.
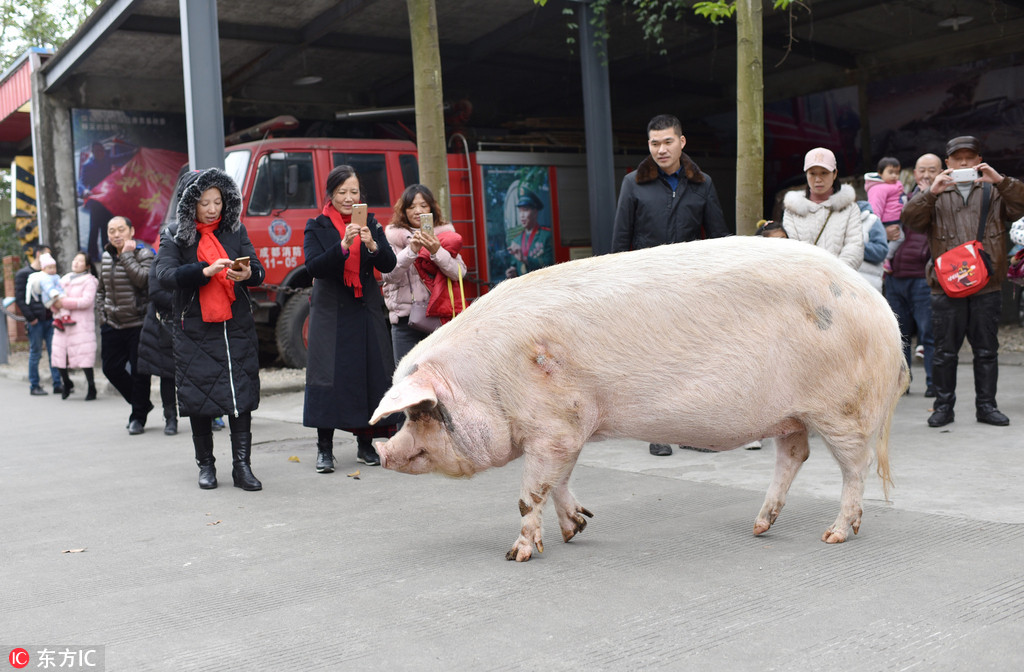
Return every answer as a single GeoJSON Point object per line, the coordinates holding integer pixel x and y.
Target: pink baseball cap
{"type": "Point", "coordinates": [819, 156]}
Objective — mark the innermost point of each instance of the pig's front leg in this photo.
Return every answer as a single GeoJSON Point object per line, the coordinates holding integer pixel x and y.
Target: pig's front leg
{"type": "Point", "coordinates": [570, 512]}
{"type": "Point", "coordinates": [546, 466]}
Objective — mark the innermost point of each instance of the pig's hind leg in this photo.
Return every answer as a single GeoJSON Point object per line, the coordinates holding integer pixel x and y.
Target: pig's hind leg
{"type": "Point", "coordinates": [791, 452]}
{"type": "Point", "coordinates": [853, 453]}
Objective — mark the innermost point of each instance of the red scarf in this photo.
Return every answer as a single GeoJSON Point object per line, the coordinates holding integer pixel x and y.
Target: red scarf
{"type": "Point", "coordinates": [216, 296]}
{"type": "Point", "coordinates": [351, 275]}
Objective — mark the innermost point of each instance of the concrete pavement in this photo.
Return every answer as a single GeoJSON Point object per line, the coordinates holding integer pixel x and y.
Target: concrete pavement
{"type": "Point", "coordinates": [388, 571]}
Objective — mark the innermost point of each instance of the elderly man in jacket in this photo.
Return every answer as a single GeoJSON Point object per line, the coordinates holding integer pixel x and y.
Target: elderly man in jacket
{"type": "Point", "coordinates": [667, 199]}
{"type": "Point", "coordinates": [949, 213]}
{"type": "Point", "coordinates": [122, 298]}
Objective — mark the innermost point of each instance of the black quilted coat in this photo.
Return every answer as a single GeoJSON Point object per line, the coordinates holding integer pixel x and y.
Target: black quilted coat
{"type": "Point", "coordinates": [216, 364]}
{"type": "Point", "coordinates": [156, 347]}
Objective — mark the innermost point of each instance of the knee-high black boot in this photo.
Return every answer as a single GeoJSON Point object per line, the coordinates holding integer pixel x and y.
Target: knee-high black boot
{"type": "Point", "coordinates": [205, 460]}
{"type": "Point", "coordinates": [241, 470]}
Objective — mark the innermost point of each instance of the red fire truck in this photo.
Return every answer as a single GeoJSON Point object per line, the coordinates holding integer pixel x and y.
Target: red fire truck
{"type": "Point", "coordinates": [282, 183]}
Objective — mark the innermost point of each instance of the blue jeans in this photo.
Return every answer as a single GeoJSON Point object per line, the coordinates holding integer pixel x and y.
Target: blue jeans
{"type": "Point", "coordinates": [37, 333]}
{"type": "Point", "coordinates": [911, 300]}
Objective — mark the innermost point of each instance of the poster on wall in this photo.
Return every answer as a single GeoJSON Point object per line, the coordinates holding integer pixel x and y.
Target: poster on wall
{"type": "Point", "coordinates": [518, 210]}
{"type": "Point", "coordinates": [126, 164]}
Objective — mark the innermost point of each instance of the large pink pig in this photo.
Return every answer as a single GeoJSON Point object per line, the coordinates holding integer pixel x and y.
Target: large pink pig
{"type": "Point", "coordinates": [712, 343]}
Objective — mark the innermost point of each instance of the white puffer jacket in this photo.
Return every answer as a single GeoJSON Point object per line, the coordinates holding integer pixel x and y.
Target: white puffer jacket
{"type": "Point", "coordinates": [403, 285]}
{"type": "Point", "coordinates": [843, 236]}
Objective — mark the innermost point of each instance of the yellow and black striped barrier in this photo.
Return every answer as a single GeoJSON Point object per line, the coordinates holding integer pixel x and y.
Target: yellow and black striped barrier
{"type": "Point", "coordinates": [26, 221]}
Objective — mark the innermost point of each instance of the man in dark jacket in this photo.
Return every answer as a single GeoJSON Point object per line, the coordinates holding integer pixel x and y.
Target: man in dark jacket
{"type": "Point", "coordinates": [949, 213]}
{"type": "Point", "coordinates": [38, 324]}
{"type": "Point", "coordinates": [906, 288]}
{"type": "Point", "coordinates": [667, 199]}
{"type": "Point", "coordinates": [122, 300]}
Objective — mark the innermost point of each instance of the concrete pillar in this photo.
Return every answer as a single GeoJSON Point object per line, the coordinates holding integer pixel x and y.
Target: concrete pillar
{"type": "Point", "coordinates": [53, 156]}
{"type": "Point", "coordinates": [204, 104]}
{"type": "Point", "coordinates": [597, 123]}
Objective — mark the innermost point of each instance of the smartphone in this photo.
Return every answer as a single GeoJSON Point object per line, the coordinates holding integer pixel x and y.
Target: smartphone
{"type": "Point", "coordinates": [240, 263]}
{"type": "Point", "coordinates": [427, 223]}
{"type": "Point", "coordinates": [964, 175]}
{"type": "Point", "coordinates": [359, 214]}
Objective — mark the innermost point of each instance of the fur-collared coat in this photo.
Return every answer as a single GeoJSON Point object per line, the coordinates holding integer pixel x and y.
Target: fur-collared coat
{"type": "Point", "coordinates": [350, 361]}
{"type": "Point", "coordinates": [650, 213]}
{"type": "Point", "coordinates": [216, 364]}
{"type": "Point", "coordinates": [843, 233]}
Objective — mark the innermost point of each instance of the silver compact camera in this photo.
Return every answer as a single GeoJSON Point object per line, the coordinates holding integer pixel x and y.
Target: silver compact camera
{"type": "Point", "coordinates": [964, 175]}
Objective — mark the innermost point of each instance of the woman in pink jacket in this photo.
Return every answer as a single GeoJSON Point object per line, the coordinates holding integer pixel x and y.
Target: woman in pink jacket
{"type": "Point", "coordinates": [403, 286]}
{"type": "Point", "coordinates": [75, 347]}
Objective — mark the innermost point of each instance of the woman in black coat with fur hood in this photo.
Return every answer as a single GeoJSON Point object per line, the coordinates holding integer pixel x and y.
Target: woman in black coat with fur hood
{"type": "Point", "coordinates": [350, 363]}
{"type": "Point", "coordinates": [216, 354]}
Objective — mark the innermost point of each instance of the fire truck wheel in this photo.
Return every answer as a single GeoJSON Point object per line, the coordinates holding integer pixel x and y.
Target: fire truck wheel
{"type": "Point", "coordinates": [292, 330]}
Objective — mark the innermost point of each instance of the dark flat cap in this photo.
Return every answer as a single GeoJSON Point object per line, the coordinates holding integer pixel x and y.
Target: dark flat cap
{"type": "Point", "coordinates": [963, 142]}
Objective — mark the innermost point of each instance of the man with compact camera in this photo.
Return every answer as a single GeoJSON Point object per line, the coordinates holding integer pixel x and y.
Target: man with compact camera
{"type": "Point", "coordinates": [949, 212]}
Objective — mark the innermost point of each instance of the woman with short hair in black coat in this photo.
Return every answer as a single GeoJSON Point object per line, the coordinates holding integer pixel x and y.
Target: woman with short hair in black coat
{"type": "Point", "coordinates": [350, 362]}
{"type": "Point", "coordinates": [216, 354]}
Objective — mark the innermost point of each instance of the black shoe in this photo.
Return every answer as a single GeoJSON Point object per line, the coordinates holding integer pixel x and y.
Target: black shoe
{"type": "Point", "coordinates": [325, 459]}
{"type": "Point", "coordinates": [941, 418]}
{"type": "Point", "coordinates": [135, 427]}
{"type": "Point", "coordinates": [661, 449]}
{"type": "Point", "coordinates": [696, 449]}
{"type": "Point", "coordinates": [171, 426]}
{"type": "Point", "coordinates": [368, 456]}
{"type": "Point", "coordinates": [930, 392]}
{"type": "Point", "coordinates": [59, 389]}
{"type": "Point", "coordinates": [992, 416]}
{"type": "Point", "coordinates": [38, 392]}
{"type": "Point", "coordinates": [90, 395]}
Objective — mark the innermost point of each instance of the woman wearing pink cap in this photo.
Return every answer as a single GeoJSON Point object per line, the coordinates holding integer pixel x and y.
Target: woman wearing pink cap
{"type": "Point", "coordinates": [825, 214]}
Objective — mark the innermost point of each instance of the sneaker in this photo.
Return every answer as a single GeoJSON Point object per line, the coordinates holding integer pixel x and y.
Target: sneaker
{"type": "Point", "coordinates": [38, 391]}
{"type": "Point", "coordinates": [218, 424]}
{"type": "Point", "coordinates": [368, 456]}
{"type": "Point", "coordinates": [58, 324]}
{"type": "Point", "coordinates": [919, 352]}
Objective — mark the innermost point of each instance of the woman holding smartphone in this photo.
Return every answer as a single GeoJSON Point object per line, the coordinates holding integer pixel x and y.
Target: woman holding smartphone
{"type": "Point", "coordinates": [216, 355]}
{"type": "Point", "coordinates": [403, 286]}
{"type": "Point", "coordinates": [349, 364]}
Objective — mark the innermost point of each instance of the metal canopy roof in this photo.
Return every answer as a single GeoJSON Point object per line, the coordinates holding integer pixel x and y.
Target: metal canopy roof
{"type": "Point", "coordinates": [509, 57]}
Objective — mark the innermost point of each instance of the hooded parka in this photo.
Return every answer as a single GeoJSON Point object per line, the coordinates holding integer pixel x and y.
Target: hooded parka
{"type": "Point", "coordinates": [216, 364]}
{"type": "Point", "coordinates": [350, 362]}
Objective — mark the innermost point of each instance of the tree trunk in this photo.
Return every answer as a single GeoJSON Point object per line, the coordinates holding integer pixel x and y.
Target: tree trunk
{"type": "Point", "coordinates": [749, 117]}
{"type": "Point", "coordinates": [429, 99]}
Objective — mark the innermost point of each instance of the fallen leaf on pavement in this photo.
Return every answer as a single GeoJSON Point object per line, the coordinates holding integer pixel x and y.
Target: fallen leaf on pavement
{"type": "Point", "coordinates": [216, 522]}
{"type": "Point", "coordinates": [354, 474]}
{"type": "Point", "coordinates": [293, 458]}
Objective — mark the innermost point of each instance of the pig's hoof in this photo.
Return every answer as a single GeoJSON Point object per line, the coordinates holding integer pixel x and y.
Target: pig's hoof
{"type": "Point", "coordinates": [520, 552]}
{"type": "Point", "coordinates": [761, 526]}
{"type": "Point", "coordinates": [833, 536]}
{"type": "Point", "coordinates": [766, 517]}
{"type": "Point", "coordinates": [574, 523]}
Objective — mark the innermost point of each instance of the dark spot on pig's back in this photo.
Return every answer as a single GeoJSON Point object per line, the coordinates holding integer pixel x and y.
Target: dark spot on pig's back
{"type": "Point", "coordinates": [822, 317]}
{"type": "Point", "coordinates": [836, 289]}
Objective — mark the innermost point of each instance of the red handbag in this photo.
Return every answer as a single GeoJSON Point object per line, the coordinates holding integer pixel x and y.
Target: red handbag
{"type": "Point", "coordinates": [966, 268]}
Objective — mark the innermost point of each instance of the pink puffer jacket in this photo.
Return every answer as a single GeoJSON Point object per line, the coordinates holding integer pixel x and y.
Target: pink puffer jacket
{"type": "Point", "coordinates": [75, 347]}
{"type": "Point", "coordinates": [403, 285]}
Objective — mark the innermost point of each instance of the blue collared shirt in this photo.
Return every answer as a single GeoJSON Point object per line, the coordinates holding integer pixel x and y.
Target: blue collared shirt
{"type": "Point", "coordinates": [673, 179]}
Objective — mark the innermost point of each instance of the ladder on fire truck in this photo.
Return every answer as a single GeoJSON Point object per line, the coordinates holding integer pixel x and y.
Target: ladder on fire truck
{"type": "Point", "coordinates": [474, 275]}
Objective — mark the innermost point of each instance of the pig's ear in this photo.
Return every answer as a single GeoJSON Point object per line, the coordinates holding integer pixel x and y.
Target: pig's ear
{"type": "Point", "coordinates": [406, 394]}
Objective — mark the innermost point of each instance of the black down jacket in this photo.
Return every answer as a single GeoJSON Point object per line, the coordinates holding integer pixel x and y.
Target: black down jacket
{"type": "Point", "coordinates": [156, 345]}
{"type": "Point", "coordinates": [216, 364]}
{"type": "Point", "coordinates": [649, 213]}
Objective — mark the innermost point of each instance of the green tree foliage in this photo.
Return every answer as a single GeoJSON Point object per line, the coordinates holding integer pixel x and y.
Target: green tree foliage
{"type": "Point", "coordinates": [38, 23]}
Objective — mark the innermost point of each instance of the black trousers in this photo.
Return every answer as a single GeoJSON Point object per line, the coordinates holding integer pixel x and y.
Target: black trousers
{"type": "Point", "coordinates": [976, 318]}
{"type": "Point", "coordinates": [120, 355]}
